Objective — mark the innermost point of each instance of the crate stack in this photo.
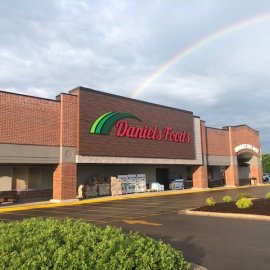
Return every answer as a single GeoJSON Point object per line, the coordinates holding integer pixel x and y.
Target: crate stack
{"type": "Point", "coordinates": [97, 186]}
{"type": "Point", "coordinates": [124, 180]}
{"type": "Point", "coordinates": [116, 186]}
{"type": "Point", "coordinates": [140, 183]}
{"type": "Point", "coordinates": [122, 184]}
{"type": "Point", "coordinates": [104, 186]}
{"type": "Point", "coordinates": [131, 183]}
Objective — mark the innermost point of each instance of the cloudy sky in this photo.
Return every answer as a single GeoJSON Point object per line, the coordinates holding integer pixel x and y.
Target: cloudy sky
{"type": "Point", "coordinates": [210, 57]}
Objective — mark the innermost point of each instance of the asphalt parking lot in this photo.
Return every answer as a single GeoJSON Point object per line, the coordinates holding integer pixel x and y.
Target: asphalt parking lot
{"type": "Point", "coordinates": [216, 243]}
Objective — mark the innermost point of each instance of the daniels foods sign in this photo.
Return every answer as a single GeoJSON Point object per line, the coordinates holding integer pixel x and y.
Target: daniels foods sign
{"type": "Point", "coordinates": [105, 122]}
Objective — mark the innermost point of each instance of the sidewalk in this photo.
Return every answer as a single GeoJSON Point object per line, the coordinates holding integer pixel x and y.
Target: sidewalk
{"type": "Point", "coordinates": [47, 204]}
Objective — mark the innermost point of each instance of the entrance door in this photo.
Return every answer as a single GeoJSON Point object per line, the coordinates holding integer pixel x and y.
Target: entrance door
{"type": "Point", "coordinates": [244, 168]}
{"type": "Point", "coordinates": [243, 173]}
{"type": "Point", "coordinates": [162, 176]}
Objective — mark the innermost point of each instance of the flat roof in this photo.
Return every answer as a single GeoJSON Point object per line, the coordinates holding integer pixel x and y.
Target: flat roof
{"type": "Point", "coordinates": [23, 95]}
{"type": "Point", "coordinates": [81, 88]}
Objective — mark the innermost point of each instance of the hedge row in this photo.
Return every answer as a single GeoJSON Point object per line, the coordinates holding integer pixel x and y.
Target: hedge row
{"type": "Point", "coordinates": [68, 244]}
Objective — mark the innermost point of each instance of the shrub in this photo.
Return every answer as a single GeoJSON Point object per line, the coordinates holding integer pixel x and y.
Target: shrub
{"type": "Point", "coordinates": [244, 203]}
{"type": "Point", "coordinates": [227, 199]}
{"type": "Point", "coordinates": [68, 244]}
{"type": "Point", "coordinates": [267, 196]}
{"type": "Point", "coordinates": [210, 201]}
{"type": "Point", "coordinates": [243, 195]}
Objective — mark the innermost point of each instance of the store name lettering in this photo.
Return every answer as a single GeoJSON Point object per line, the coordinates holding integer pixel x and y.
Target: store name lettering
{"type": "Point", "coordinates": [246, 146]}
{"type": "Point", "coordinates": [147, 133]}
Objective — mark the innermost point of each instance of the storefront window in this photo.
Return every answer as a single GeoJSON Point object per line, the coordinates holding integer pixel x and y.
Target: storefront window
{"type": "Point", "coordinates": [34, 179]}
{"type": "Point", "coordinates": [27, 177]}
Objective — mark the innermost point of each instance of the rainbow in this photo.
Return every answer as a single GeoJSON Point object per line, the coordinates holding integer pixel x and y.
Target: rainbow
{"type": "Point", "coordinates": [104, 123]}
{"type": "Point", "coordinates": [196, 46]}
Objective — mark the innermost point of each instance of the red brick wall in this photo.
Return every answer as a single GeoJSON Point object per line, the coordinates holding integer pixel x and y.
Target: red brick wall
{"type": "Point", "coordinates": [200, 177]}
{"type": "Point", "coordinates": [65, 174]}
{"type": "Point", "coordinates": [64, 181]}
{"type": "Point", "coordinates": [34, 194]}
{"type": "Point", "coordinates": [94, 104]}
{"type": "Point", "coordinates": [256, 172]}
{"type": "Point", "coordinates": [29, 120]}
{"type": "Point", "coordinates": [217, 142]}
{"type": "Point", "coordinates": [245, 135]}
{"type": "Point", "coordinates": [68, 120]}
{"type": "Point", "coordinates": [203, 138]}
{"type": "Point", "coordinates": [231, 176]}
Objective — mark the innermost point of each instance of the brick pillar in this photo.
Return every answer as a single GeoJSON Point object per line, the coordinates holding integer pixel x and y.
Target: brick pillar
{"type": "Point", "coordinates": [200, 177]}
{"type": "Point", "coordinates": [256, 169]}
{"type": "Point", "coordinates": [200, 173]}
{"type": "Point", "coordinates": [231, 176]}
{"type": "Point", "coordinates": [65, 174]}
{"type": "Point", "coordinates": [231, 172]}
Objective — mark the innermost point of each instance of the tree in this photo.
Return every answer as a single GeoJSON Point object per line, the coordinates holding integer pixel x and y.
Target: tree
{"type": "Point", "coordinates": [266, 163]}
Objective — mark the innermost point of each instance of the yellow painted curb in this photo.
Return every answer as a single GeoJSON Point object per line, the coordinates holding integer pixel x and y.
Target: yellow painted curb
{"type": "Point", "coordinates": [119, 198]}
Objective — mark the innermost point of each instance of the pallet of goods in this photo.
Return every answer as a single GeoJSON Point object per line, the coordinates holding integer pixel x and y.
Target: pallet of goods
{"type": "Point", "coordinates": [116, 186]}
{"type": "Point", "coordinates": [124, 180]}
{"type": "Point", "coordinates": [140, 183]}
{"type": "Point", "coordinates": [104, 189]}
{"type": "Point", "coordinates": [91, 191]}
{"type": "Point", "coordinates": [155, 186]}
{"type": "Point", "coordinates": [131, 183]}
{"type": "Point", "coordinates": [177, 184]}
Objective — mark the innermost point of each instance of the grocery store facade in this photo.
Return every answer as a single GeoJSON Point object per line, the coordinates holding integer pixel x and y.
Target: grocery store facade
{"type": "Point", "coordinates": [50, 147]}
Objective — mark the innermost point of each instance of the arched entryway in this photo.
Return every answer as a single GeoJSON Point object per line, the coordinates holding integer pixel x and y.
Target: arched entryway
{"type": "Point", "coordinates": [243, 161]}
{"type": "Point", "coordinates": [249, 167]}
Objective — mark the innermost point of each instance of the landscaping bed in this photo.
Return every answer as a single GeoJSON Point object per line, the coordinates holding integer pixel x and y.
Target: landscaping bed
{"type": "Point", "coordinates": [68, 244]}
{"type": "Point", "coordinates": [260, 207]}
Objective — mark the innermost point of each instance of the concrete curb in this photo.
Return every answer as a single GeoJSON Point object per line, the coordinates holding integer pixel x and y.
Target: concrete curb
{"type": "Point", "coordinates": [224, 215]}
{"type": "Point", "coordinates": [4, 209]}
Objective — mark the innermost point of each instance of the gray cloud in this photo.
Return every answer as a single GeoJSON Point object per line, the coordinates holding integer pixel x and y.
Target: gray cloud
{"type": "Point", "coordinates": [52, 46]}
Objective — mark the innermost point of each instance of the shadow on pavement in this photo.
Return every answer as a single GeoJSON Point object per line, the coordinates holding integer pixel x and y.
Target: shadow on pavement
{"type": "Point", "coordinates": [192, 251]}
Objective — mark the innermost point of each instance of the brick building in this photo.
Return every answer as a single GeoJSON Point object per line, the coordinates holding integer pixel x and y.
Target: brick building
{"type": "Point", "coordinates": [49, 147]}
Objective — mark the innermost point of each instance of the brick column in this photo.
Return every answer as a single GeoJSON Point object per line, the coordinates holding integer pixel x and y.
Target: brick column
{"type": "Point", "coordinates": [64, 182]}
{"type": "Point", "coordinates": [231, 176]}
{"type": "Point", "coordinates": [256, 169]}
{"type": "Point", "coordinates": [65, 174]}
{"type": "Point", "coordinates": [200, 177]}
{"type": "Point", "coordinates": [200, 173]}
{"type": "Point", "coordinates": [256, 172]}
{"type": "Point", "coordinates": [231, 172]}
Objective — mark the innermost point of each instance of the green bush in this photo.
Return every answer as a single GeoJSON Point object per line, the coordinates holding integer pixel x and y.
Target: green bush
{"type": "Point", "coordinates": [243, 195]}
{"type": "Point", "coordinates": [244, 203]}
{"type": "Point", "coordinates": [210, 201]}
{"type": "Point", "coordinates": [267, 196]}
{"type": "Point", "coordinates": [68, 244]}
{"type": "Point", "coordinates": [227, 199]}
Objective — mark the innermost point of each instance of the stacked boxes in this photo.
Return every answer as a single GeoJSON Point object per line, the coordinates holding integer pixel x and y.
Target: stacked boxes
{"type": "Point", "coordinates": [97, 186]}
{"type": "Point", "coordinates": [131, 183]}
{"type": "Point", "coordinates": [124, 180]}
{"type": "Point", "coordinates": [104, 189]}
{"type": "Point", "coordinates": [91, 191]}
{"type": "Point", "coordinates": [116, 186]}
{"type": "Point", "coordinates": [122, 184]}
{"type": "Point", "coordinates": [155, 186]}
{"type": "Point", "coordinates": [140, 183]}
{"type": "Point", "coordinates": [177, 184]}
